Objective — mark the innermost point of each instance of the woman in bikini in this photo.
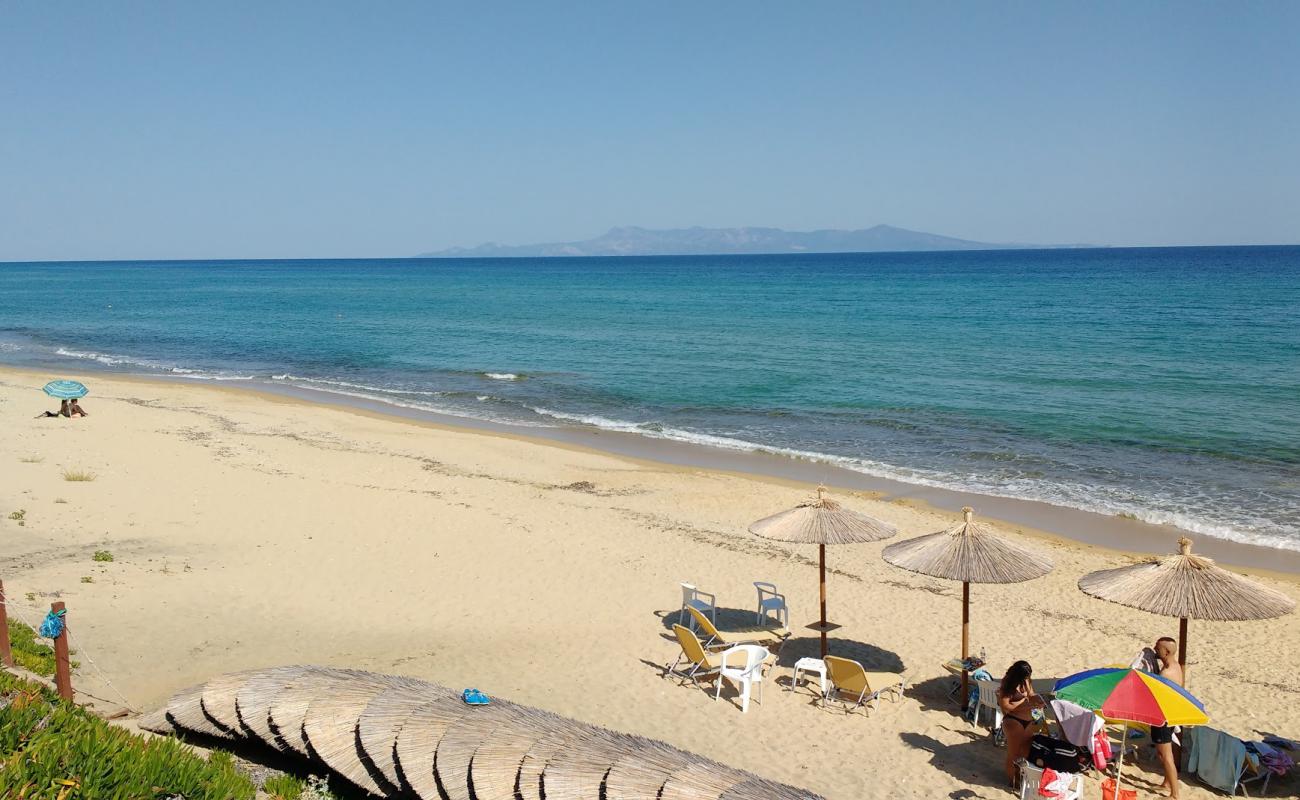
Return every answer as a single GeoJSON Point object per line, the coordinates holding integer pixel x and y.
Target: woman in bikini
{"type": "Point", "coordinates": [1017, 700]}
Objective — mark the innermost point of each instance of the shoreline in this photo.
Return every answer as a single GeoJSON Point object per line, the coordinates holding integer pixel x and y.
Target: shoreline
{"type": "Point", "coordinates": [1042, 520]}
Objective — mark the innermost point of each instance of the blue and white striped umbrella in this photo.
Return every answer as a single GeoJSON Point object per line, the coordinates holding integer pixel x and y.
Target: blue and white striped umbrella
{"type": "Point", "coordinates": [66, 390]}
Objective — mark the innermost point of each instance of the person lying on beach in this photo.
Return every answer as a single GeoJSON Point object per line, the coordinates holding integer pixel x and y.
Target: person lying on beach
{"type": "Point", "coordinates": [1162, 736]}
{"type": "Point", "coordinates": [1017, 700]}
{"type": "Point", "coordinates": [64, 411]}
{"type": "Point", "coordinates": [75, 410]}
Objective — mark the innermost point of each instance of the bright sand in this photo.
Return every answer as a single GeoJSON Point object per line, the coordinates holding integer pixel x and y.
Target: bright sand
{"type": "Point", "coordinates": [249, 531]}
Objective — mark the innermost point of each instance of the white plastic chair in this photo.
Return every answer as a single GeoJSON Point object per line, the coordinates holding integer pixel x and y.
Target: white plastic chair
{"type": "Point", "coordinates": [694, 598]}
{"type": "Point", "coordinates": [771, 601]}
{"type": "Point", "coordinates": [1031, 775]}
{"type": "Point", "coordinates": [988, 698]}
{"type": "Point", "coordinates": [743, 664]}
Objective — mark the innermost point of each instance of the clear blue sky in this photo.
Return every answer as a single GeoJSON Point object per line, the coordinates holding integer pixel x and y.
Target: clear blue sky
{"type": "Point", "coordinates": [268, 129]}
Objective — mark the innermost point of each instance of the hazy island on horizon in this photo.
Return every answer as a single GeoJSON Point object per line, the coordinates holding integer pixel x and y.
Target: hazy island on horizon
{"type": "Point", "coordinates": [637, 241]}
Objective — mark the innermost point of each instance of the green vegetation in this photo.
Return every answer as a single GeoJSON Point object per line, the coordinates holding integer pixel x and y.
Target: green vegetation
{"type": "Point", "coordinates": [29, 652]}
{"type": "Point", "coordinates": [102, 555]}
{"type": "Point", "coordinates": [78, 475]}
{"type": "Point", "coordinates": [87, 579]}
{"type": "Point", "coordinates": [52, 750]}
{"type": "Point", "coordinates": [283, 787]}
{"type": "Point", "coordinates": [19, 516]}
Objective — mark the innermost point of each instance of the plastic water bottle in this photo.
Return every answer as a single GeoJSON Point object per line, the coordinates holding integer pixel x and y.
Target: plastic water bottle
{"type": "Point", "coordinates": [983, 658]}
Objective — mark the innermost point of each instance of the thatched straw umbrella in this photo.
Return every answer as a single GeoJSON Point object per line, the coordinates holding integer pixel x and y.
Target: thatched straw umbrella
{"type": "Point", "coordinates": [821, 522]}
{"type": "Point", "coordinates": [970, 553]}
{"type": "Point", "coordinates": [1186, 586]}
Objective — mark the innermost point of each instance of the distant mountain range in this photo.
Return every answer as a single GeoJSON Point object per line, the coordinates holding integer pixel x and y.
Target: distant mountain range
{"type": "Point", "coordinates": [633, 241]}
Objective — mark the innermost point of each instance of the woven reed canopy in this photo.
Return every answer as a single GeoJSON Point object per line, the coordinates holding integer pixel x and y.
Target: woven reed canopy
{"type": "Point", "coordinates": [446, 749]}
{"type": "Point", "coordinates": [1187, 586]}
{"type": "Point", "coordinates": [969, 552]}
{"type": "Point", "coordinates": [822, 521]}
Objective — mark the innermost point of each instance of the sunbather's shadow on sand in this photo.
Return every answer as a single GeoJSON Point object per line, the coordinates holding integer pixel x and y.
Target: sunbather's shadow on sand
{"type": "Point", "coordinates": [975, 762]}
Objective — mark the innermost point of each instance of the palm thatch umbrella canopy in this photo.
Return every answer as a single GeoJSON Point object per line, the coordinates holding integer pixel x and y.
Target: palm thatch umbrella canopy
{"type": "Point", "coordinates": [971, 553]}
{"type": "Point", "coordinates": [1186, 586]}
{"type": "Point", "coordinates": [822, 521]}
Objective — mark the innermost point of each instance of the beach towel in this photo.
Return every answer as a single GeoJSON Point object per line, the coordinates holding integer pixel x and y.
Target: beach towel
{"type": "Point", "coordinates": [972, 702]}
{"type": "Point", "coordinates": [1215, 757]}
{"type": "Point", "coordinates": [1054, 784]}
{"type": "Point", "coordinates": [1079, 725]}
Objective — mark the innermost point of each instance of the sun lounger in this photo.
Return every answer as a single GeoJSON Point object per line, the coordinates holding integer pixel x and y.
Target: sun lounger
{"type": "Point", "coordinates": [852, 686]}
{"type": "Point", "coordinates": [695, 662]}
{"type": "Point", "coordinates": [767, 635]}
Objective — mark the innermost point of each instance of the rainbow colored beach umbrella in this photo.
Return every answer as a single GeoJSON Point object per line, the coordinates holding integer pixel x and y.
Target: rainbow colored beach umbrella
{"type": "Point", "coordinates": [1131, 695]}
{"type": "Point", "coordinates": [66, 390]}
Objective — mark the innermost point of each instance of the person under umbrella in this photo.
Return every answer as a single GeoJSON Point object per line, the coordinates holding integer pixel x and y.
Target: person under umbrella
{"type": "Point", "coordinates": [971, 553]}
{"type": "Point", "coordinates": [1186, 586]}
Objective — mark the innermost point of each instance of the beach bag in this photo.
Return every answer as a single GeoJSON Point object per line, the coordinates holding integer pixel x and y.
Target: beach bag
{"type": "Point", "coordinates": [1046, 752]}
{"type": "Point", "coordinates": [1108, 791]}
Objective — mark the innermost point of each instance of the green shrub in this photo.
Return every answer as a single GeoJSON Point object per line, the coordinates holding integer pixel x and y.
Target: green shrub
{"type": "Point", "coordinates": [102, 555]}
{"type": "Point", "coordinates": [52, 750]}
{"type": "Point", "coordinates": [31, 653]}
{"type": "Point", "coordinates": [78, 475]}
{"type": "Point", "coordinates": [283, 787]}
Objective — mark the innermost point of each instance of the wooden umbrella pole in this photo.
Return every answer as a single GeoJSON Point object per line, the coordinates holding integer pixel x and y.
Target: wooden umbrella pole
{"type": "Point", "coordinates": [965, 641]}
{"type": "Point", "coordinates": [821, 554]}
{"type": "Point", "coordinates": [1182, 645]}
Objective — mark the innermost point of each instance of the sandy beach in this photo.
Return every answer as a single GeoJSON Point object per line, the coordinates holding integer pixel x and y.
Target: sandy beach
{"type": "Point", "coordinates": [249, 530]}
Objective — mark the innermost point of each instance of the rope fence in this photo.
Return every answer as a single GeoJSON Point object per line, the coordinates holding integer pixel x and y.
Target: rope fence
{"type": "Point", "coordinates": [62, 645]}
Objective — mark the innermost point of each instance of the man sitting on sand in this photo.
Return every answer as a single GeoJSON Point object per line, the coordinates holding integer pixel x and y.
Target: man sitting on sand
{"type": "Point", "coordinates": [75, 410]}
{"type": "Point", "coordinates": [64, 411]}
{"type": "Point", "coordinates": [1162, 736]}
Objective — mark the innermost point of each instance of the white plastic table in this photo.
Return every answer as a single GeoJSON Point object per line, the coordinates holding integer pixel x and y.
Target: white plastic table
{"type": "Point", "coordinates": [809, 665]}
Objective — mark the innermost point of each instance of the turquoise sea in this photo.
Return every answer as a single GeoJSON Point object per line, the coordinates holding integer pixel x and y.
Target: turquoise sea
{"type": "Point", "coordinates": [1161, 383]}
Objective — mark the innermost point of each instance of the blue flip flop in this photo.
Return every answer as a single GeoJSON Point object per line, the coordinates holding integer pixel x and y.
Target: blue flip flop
{"type": "Point", "coordinates": [473, 697]}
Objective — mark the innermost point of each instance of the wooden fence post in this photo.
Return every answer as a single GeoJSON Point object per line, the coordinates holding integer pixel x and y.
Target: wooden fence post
{"type": "Point", "coordinates": [62, 668]}
{"type": "Point", "coordinates": [6, 655]}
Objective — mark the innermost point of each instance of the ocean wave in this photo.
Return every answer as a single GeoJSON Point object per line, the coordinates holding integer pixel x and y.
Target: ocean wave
{"type": "Point", "coordinates": [1083, 497]}
{"type": "Point", "coordinates": [503, 376]}
{"type": "Point", "coordinates": [287, 378]}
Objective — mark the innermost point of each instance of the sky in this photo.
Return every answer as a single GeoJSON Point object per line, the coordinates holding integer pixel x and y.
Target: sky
{"type": "Point", "coordinates": [318, 129]}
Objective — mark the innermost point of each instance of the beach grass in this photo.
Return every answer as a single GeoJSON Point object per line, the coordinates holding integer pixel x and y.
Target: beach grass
{"type": "Point", "coordinates": [50, 748]}
{"type": "Point", "coordinates": [32, 459]}
{"type": "Point", "coordinates": [81, 475]}
{"type": "Point", "coordinates": [29, 652]}
{"type": "Point", "coordinates": [283, 787]}
{"type": "Point", "coordinates": [102, 555]}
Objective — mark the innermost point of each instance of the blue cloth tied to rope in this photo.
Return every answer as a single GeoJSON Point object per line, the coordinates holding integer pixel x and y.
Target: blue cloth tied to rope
{"type": "Point", "coordinates": [53, 624]}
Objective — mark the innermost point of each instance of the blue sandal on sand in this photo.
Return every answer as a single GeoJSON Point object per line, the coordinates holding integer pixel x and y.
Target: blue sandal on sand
{"type": "Point", "coordinates": [473, 697]}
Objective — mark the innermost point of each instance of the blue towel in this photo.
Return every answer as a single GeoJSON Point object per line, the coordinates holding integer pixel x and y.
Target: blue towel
{"type": "Point", "coordinates": [972, 702]}
{"type": "Point", "coordinates": [1217, 758]}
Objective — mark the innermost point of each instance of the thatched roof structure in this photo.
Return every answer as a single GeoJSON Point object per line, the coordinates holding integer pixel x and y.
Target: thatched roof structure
{"type": "Point", "coordinates": [330, 727]}
{"type": "Point", "coordinates": [820, 520]}
{"type": "Point", "coordinates": [383, 717]}
{"type": "Point", "coordinates": [218, 700]}
{"type": "Point", "coordinates": [1187, 586]}
{"type": "Point", "coordinates": [253, 700]}
{"type": "Point", "coordinates": [435, 744]}
{"type": "Point", "coordinates": [969, 552]}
